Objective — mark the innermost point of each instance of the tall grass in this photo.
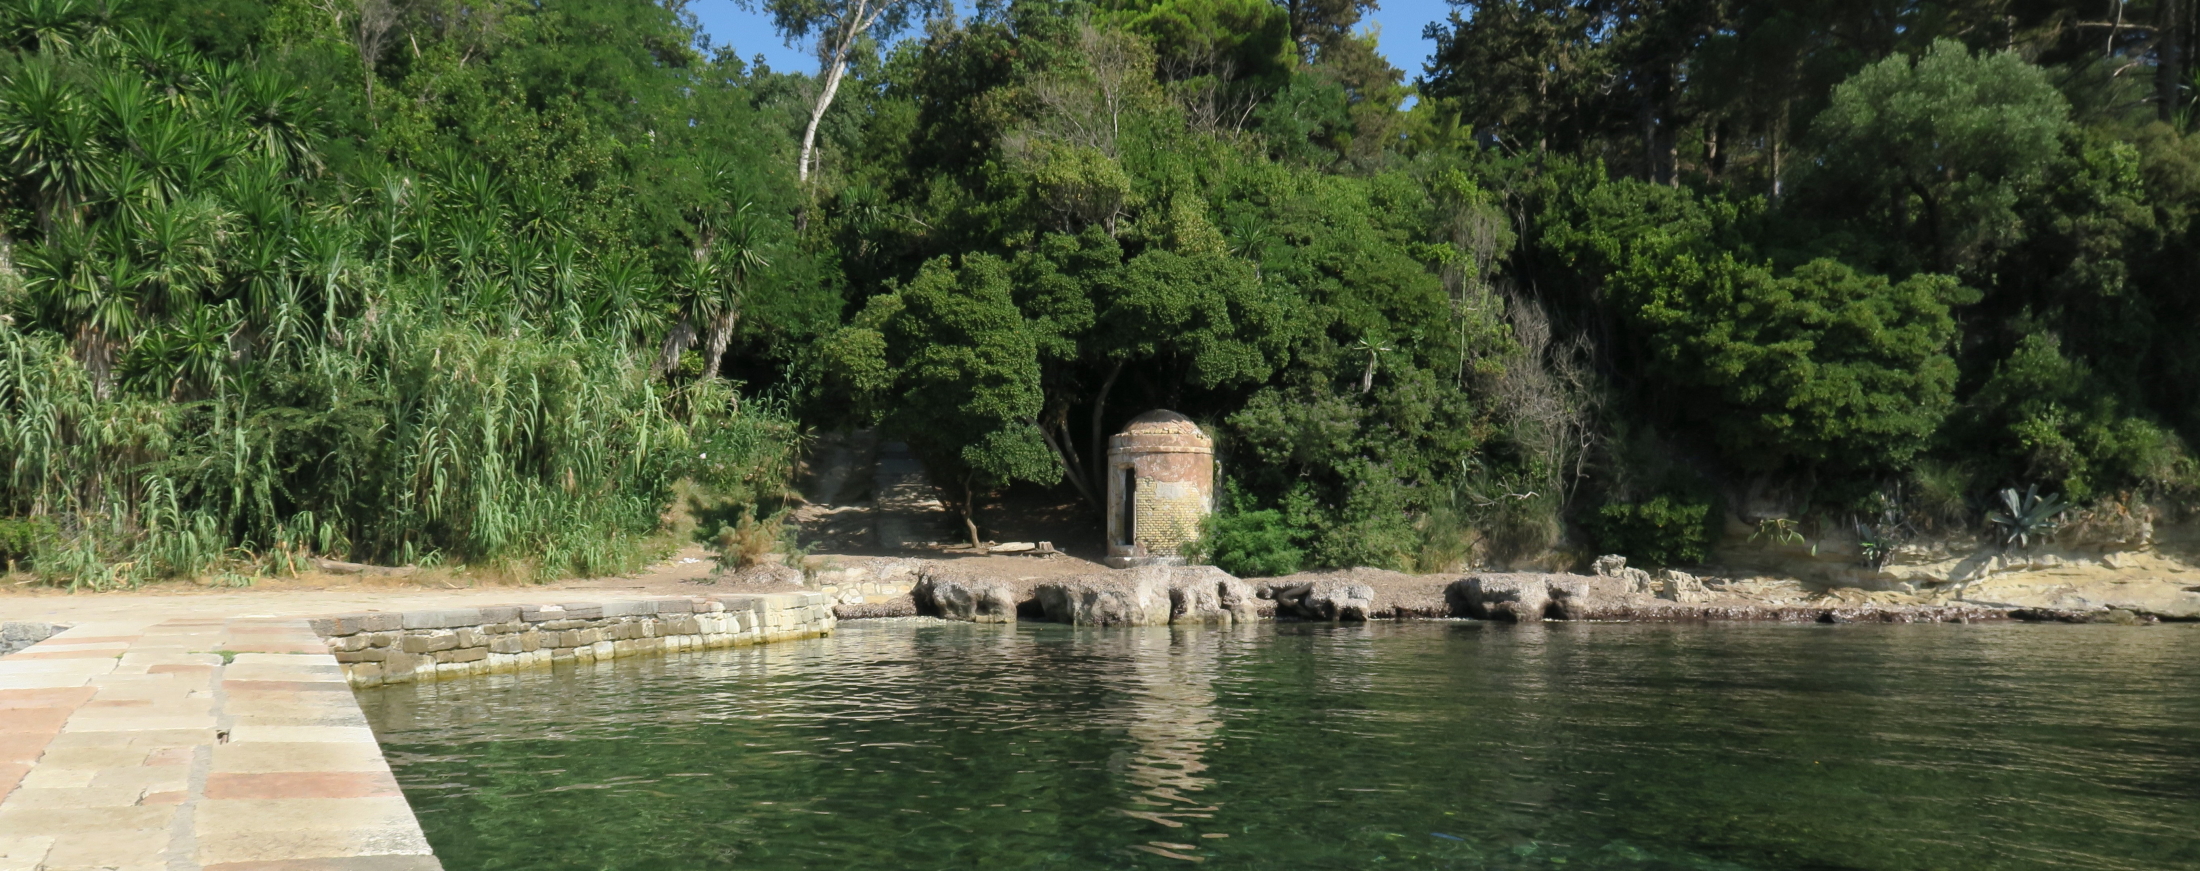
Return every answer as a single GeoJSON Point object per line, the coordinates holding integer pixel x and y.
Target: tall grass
{"type": "Point", "coordinates": [230, 360]}
{"type": "Point", "coordinates": [427, 439]}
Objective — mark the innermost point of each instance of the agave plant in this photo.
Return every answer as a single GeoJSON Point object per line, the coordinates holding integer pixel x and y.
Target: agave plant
{"type": "Point", "coordinates": [2025, 517]}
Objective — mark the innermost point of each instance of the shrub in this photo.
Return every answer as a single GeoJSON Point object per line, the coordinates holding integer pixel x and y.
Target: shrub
{"type": "Point", "coordinates": [1249, 544]}
{"type": "Point", "coordinates": [1661, 532]}
{"type": "Point", "coordinates": [20, 537]}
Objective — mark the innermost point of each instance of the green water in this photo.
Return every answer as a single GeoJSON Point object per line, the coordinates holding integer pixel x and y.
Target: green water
{"type": "Point", "coordinates": [1436, 745]}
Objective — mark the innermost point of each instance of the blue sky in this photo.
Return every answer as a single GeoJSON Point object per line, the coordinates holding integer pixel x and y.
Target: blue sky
{"type": "Point", "coordinates": [751, 34]}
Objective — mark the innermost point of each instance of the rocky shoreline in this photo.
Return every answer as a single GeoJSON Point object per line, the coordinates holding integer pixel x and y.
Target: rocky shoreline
{"type": "Point", "coordinates": [1160, 595]}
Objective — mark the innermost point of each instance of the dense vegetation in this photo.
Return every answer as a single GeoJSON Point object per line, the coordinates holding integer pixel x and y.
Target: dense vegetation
{"type": "Point", "coordinates": [485, 279]}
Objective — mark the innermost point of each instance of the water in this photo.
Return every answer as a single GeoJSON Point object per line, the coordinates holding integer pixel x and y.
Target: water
{"type": "Point", "coordinates": [1434, 745]}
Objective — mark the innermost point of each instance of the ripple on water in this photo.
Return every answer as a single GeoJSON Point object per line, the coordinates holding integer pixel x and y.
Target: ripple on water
{"type": "Point", "coordinates": [1452, 745]}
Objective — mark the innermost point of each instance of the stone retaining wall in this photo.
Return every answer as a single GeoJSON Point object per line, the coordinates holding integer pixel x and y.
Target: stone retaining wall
{"type": "Point", "coordinates": [387, 647]}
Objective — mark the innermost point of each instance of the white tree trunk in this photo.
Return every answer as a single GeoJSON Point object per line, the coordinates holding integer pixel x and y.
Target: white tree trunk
{"type": "Point", "coordinates": [836, 66]}
{"type": "Point", "coordinates": [817, 114]}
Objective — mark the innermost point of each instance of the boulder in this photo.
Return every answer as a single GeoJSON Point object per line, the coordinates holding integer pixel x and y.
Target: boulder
{"type": "Point", "coordinates": [1332, 601]}
{"type": "Point", "coordinates": [1513, 597]}
{"type": "Point", "coordinates": [1133, 597]}
{"type": "Point", "coordinates": [1205, 594]}
{"type": "Point", "coordinates": [958, 596]}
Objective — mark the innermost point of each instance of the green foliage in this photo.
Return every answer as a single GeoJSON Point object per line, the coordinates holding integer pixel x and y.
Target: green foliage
{"type": "Point", "coordinates": [1945, 143]}
{"type": "Point", "coordinates": [1822, 366]}
{"type": "Point", "coordinates": [1249, 544]}
{"type": "Point", "coordinates": [262, 315]}
{"type": "Point", "coordinates": [1665, 531]}
{"type": "Point", "coordinates": [2058, 422]}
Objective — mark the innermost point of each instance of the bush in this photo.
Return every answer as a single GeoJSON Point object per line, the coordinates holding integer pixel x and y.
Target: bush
{"type": "Point", "coordinates": [1249, 544]}
{"type": "Point", "coordinates": [1661, 532]}
{"type": "Point", "coordinates": [20, 537]}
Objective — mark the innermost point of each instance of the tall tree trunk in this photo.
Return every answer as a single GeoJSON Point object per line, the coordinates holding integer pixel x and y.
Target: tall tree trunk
{"type": "Point", "coordinates": [721, 332]}
{"type": "Point", "coordinates": [2169, 56]}
{"type": "Point", "coordinates": [1055, 430]}
{"type": "Point", "coordinates": [1099, 435]}
{"type": "Point", "coordinates": [836, 66]}
{"type": "Point", "coordinates": [970, 513]}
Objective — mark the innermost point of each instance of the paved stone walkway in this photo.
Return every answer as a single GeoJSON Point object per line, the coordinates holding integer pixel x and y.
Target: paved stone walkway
{"type": "Point", "coordinates": [193, 742]}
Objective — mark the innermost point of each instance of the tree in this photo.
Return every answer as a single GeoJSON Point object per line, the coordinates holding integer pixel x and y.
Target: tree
{"type": "Point", "coordinates": [1824, 367]}
{"type": "Point", "coordinates": [947, 365]}
{"type": "Point", "coordinates": [841, 28]}
{"type": "Point", "coordinates": [1942, 146]}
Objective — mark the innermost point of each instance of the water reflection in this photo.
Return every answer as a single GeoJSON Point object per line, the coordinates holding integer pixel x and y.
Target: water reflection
{"type": "Point", "coordinates": [930, 746]}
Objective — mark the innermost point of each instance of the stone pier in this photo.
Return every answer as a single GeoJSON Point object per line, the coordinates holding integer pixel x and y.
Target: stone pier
{"type": "Point", "coordinates": [170, 743]}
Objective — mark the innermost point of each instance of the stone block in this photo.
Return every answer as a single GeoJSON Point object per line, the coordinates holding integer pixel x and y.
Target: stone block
{"type": "Point", "coordinates": [382, 621]}
{"type": "Point", "coordinates": [675, 606]}
{"type": "Point", "coordinates": [365, 674]}
{"type": "Point", "coordinates": [563, 624]}
{"type": "Point", "coordinates": [430, 642]}
{"type": "Point", "coordinates": [529, 642]}
{"type": "Point", "coordinates": [449, 618]}
{"type": "Point", "coordinates": [584, 610]}
{"type": "Point", "coordinates": [505, 644]}
{"type": "Point", "coordinates": [470, 637]}
{"type": "Point", "coordinates": [540, 614]}
{"type": "Point", "coordinates": [500, 614]}
{"type": "Point", "coordinates": [372, 654]}
{"type": "Point", "coordinates": [399, 664]}
{"type": "Point", "coordinates": [628, 609]}
{"type": "Point", "coordinates": [463, 654]}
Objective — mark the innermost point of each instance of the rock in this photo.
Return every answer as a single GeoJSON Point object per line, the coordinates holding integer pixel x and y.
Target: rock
{"type": "Point", "coordinates": [1133, 597]}
{"type": "Point", "coordinates": [957, 596]}
{"type": "Point", "coordinates": [1013, 547]}
{"type": "Point", "coordinates": [1681, 587]}
{"type": "Point", "coordinates": [1615, 566]}
{"type": "Point", "coordinates": [1327, 600]}
{"type": "Point", "coordinates": [1205, 594]}
{"type": "Point", "coordinates": [1516, 598]}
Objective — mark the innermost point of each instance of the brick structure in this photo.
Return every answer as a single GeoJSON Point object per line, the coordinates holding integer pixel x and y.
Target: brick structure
{"type": "Point", "coordinates": [1161, 484]}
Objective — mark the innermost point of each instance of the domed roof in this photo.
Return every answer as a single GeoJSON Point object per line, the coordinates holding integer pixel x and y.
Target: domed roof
{"type": "Point", "coordinates": [1162, 421]}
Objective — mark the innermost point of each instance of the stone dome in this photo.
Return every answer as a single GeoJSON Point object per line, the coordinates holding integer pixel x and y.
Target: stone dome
{"type": "Point", "coordinates": [1163, 422]}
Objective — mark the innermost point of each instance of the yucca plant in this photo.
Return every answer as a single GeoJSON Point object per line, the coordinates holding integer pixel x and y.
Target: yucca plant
{"type": "Point", "coordinates": [2025, 517]}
